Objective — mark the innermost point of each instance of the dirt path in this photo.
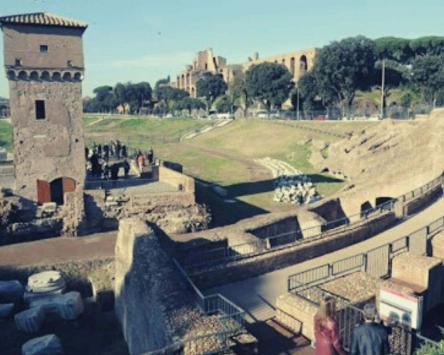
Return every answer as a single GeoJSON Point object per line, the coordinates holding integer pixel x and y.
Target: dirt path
{"type": "Point", "coordinates": [58, 250]}
{"type": "Point", "coordinates": [256, 171]}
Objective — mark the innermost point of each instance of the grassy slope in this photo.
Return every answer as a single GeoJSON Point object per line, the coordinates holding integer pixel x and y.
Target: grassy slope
{"type": "Point", "coordinates": [5, 135]}
{"type": "Point", "coordinates": [243, 139]}
{"type": "Point", "coordinates": [259, 139]}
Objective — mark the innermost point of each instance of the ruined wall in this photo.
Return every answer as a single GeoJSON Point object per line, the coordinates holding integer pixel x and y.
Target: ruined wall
{"type": "Point", "coordinates": [277, 259]}
{"type": "Point", "coordinates": [288, 226]}
{"type": "Point", "coordinates": [297, 62]}
{"type": "Point", "coordinates": [181, 181]}
{"type": "Point", "coordinates": [49, 148]}
{"type": "Point", "coordinates": [152, 303]}
{"type": "Point", "coordinates": [422, 201]}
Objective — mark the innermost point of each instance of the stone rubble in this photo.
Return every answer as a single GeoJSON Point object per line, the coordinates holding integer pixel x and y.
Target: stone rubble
{"type": "Point", "coordinates": [31, 320]}
{"type": "Point", "coordinates": [68, 306]}
{"type": "Point", "coordinates": [45, 345]}
{"type": "Point", "coordinates": [6, 310]}
{"type": "Point", "coordinates": [291, 185]}
{"type": "Point", "coordinates": [11, 291]}
{"type": "Point", "coordinates": [44, 284]}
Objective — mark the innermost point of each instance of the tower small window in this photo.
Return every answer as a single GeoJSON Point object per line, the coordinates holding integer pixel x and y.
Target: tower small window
{"type": "Point", "coordinates": [43, 48]}
{"type": "Point", "coordinates": [40, 113]}
{"type": "Point", "coordinates": [18, 62]}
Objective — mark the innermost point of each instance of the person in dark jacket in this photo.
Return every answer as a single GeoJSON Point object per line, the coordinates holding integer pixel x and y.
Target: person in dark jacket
{"type": "Point", "coordinates": [370, 338]}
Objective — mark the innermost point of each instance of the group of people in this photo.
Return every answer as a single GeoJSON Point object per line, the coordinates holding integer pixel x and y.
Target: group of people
{"type": "Point", "coordinates": [106, 160]}
{"type": "Point", "coordinates": [114, 150]}
{"type": "Point", "coordinates": [369, 338]}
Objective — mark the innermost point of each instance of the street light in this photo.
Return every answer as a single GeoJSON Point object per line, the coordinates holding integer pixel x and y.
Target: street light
{"type": "Point", "coordinates": [297, 102]}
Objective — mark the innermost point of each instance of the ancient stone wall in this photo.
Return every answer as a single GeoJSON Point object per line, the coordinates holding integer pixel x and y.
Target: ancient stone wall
{"type": "Point", "coordinates": [273, 260]}
{"type": "Point", "coordinates": [49, 148]}
{"type": "Point", "coordinates": [153, 303]}
{"type": "Point", "coordinates": [181, 181]}
{"type": "Point", "coordinates": [422, 201]}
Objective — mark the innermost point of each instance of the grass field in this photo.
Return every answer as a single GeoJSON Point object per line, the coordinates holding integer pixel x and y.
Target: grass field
{"type": "Point", "coordinates": [225, 155]}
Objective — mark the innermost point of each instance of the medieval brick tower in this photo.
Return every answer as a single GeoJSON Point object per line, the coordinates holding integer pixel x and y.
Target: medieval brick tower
{"type": "Point", "coordinates": [44, 64]}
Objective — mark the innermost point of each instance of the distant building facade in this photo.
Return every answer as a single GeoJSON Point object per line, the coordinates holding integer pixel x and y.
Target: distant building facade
{"type": "Point", "coordinates": [297, 62]}
{"type": "Point", "coordinates": [204, 62]}
{"type": "Point", "coordinates": [43, 57]}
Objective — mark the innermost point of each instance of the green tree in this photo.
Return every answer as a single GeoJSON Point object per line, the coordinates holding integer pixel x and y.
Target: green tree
{"type": "Point", "coordinates": [429, 45]}
{"type": "Point", "coordinates": [343, 67]}
{"type": "Point", "coordinates": [159, 84]}
{"type": "Point", "coordinates": [428, 74]}
{"type": "Point", "coordinates": [210, 86]}
{"type": "Point", "coordinates": [269, 83]}
{"type": "Point", "coordinates": [308, 93]}
{"type": "Point", "coordinates": [189, 104]}
{"type": "Point", "coordinates": [104, 100]}
{"type": "Point", "coordinates": [120, 93]}
{"type": "Point", "coordinates": [168, 94]}
{"type": "Point", "coordinates": [394, 48]}
{"type": "Point", "coordinates": [223, 104]}
{"type": "Point", "coordinates": [237, 91]}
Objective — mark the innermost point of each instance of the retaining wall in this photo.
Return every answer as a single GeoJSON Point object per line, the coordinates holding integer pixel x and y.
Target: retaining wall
{"type": "Point", "coordinates": [273, 260]}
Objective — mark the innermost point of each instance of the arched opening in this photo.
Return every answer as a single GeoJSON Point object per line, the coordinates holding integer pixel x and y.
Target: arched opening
{"type": "Point", "coordinates": [45, 75]}
{"type": "Point", "coordinates": [384, 202]}
{"type": "Point", "coordinates": [59, 187]}
{"type": "Point", "coordinates": [34, 75]}
{"type": "Point", "coordinates": [292, 65]}
{"type": "Point", "coordinates": [303, 64]}
{"type": "Point", "coordinates": [188, 79]}
{"type": "Point", "coordinates": [23, 75]}
{"type": "Point", "coordinates": [67, 76]}
{"type": "Point", "coordinates": [366, 209]}
{"type": "Point", "coordinates": [56, 76]}
{"type": "Point", "coordinates": [78, 76]}
{"type": "Point", "coordinates": [283, 61]}
{"type": "Point", "coordinates": [11, 74]}
{"type": "Point", "coordinates": [192, 91]}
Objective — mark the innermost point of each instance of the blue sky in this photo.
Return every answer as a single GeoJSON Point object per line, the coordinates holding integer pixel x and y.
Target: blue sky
{"type": "Point", "coordinates": [137, 40]}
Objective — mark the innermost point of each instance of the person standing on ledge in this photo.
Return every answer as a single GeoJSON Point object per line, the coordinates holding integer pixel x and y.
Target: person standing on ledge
{"type": "Point", "coordinates": [370, 338]}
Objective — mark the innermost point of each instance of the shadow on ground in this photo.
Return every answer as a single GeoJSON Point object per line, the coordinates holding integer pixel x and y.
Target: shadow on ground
{"type": "Point", "coordinates": [256, 187]}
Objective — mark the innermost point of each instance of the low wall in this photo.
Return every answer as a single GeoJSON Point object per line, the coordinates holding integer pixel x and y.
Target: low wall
{"type": "Point", "coordinates": [423, 201]}
{"type": "Point", "coordinates": [163, 199]}
{"type": "Point", "coordinates": [174, 178]}
{"type": "Point", "coordinates": [288, 226]}
{"type": "Point", "coordinates": [76, 273]}
{"type": "Point", "coordinates": [152, 302]}
{"type": "Point", "coordinates": [273, 260]}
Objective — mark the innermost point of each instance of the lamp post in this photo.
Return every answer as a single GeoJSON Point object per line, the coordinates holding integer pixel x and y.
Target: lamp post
{"type": "Point", "coordinates": [297, 102]}
{"type": "Point", "coordinates": [382, 89]}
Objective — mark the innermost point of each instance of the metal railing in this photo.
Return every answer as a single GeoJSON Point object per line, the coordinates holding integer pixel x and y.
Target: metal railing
{"type": "Point", "coordinates": [229, 317]}
{"type": "Point", "coordinates": [402, 339]}
{"type": "Point", "coordinates": [376, 262]}
{"type": "Point", "coordinates": [229, 253]}
{"type": "Point", "coordinates": [215, 303]}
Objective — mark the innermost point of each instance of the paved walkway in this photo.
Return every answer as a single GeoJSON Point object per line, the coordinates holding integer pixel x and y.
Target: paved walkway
{"type": "Point", "coordinates": [58, 250]}
{"type": "Point", "coordinates": [257, 295]}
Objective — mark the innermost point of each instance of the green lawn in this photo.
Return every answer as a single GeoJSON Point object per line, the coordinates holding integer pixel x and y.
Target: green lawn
{"type": "Point", "coordinates": [220, 156]}
{"type": "Point", "coordinates": [5, 135]}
